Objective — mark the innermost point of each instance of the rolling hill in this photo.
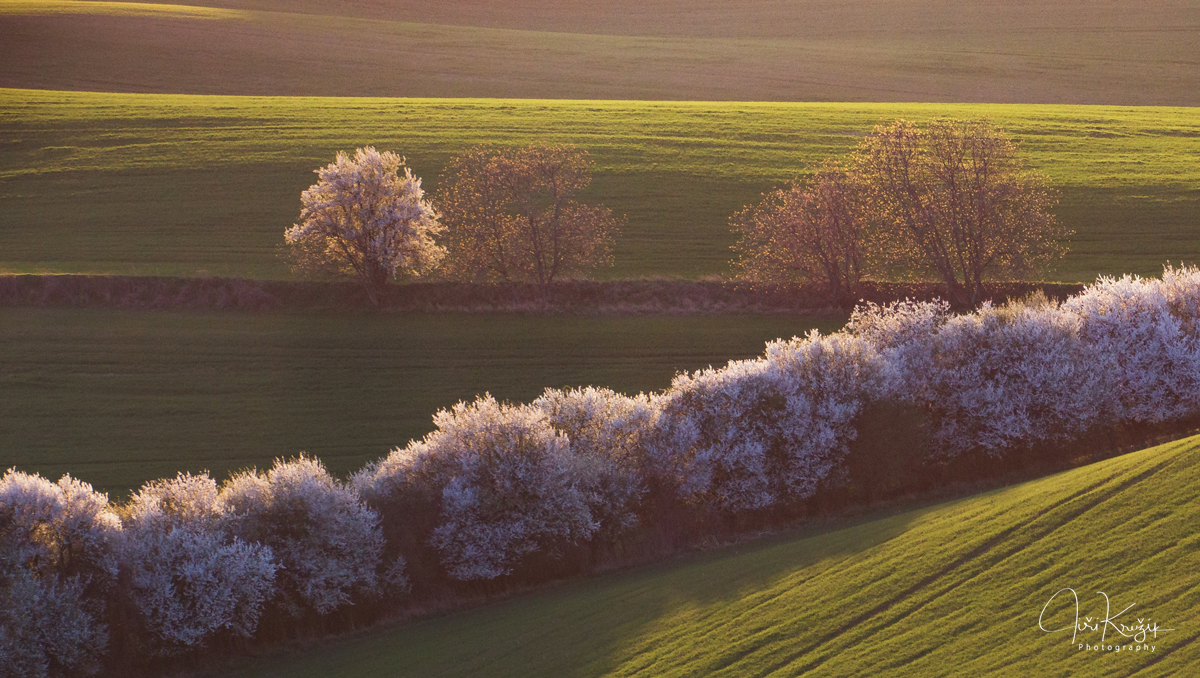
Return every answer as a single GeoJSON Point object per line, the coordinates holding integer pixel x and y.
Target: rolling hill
{"type": "Point", "coordinates": [154, 138]}
{"type": "Point", "coordinates": [951, 589]}
{"type": "Point", "coordinates": [1063, 51]}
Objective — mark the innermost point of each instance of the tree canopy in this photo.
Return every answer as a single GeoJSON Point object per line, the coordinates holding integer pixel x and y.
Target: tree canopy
{"type": "Point", "coordinates": [363, 220]}
{"type": "Point", "coordinates": [511, 215]}
{"type": "Point", "coordinates": [815, 233]}
{"type": "Point", "coordinates": [956, 198]}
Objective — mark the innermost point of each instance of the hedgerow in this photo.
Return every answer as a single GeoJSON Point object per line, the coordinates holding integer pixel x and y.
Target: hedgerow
{"type": "Point", "coordinates": [503, 483]}
{"type": "Point", "coordinates": [325, 540]}
{"type": "Point", "coordinates": [757, 432]}
{"type": "Point", "coordinates": [1143, 334]}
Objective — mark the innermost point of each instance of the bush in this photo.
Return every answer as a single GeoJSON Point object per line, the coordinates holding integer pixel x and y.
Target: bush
{"type": "Point", "coordinates": [1005, 378]}
{"type": "Point", "coordinates": [46, 628]}
{"type": "Point", "coordinates": [502, 482]}
{"type": "Point", "coordinates": [188, 577]}
{"type": "Point", "coordinates": [606, 431]}
{"type": "Point", "coordinates": [901, 333]}
{"type": "Point", "coordinates": [325, 540]}
{"type": "Point", "coordinates": [1144, 339]}
{"type": "Point", "coordinates": [756, 432]}
{"type": "Point", "coordinates": [1182, 289]}
{"type": "Point", "coordinates": [56, 563]}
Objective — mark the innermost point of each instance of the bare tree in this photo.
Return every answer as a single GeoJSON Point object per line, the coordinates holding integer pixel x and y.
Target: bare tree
{"type": "Point", "coordinates": [799, 234]}
{"type": "Point", "coordinates": [511, 214]}
{"type": "Point", "coordinates": [365, 221]}
{"type": "Point", "coordinates": [956, 198]}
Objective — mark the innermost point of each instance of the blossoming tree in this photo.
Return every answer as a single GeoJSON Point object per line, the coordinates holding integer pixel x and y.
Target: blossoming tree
{"type": "Point", "coordinates": [363, 220]}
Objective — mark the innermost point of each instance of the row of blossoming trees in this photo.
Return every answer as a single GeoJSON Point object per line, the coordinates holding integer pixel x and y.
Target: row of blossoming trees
{"type": "Point", "coordinates": [501, 491]}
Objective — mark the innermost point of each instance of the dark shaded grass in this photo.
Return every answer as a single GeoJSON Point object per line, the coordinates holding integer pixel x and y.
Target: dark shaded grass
{"type": "Point", "coordinates": [120, 397]}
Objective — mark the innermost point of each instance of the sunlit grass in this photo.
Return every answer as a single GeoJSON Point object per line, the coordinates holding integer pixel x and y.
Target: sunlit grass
{"type": "Point", "coordinates": [128, 9]}
{"type": "Point", "coordinates": [182, 184]}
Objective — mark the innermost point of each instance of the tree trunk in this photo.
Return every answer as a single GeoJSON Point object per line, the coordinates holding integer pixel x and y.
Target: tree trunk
{"type": "Point", "coordinates": [374, 282]}
{"type": "Point", "coordinates": [960, 295]}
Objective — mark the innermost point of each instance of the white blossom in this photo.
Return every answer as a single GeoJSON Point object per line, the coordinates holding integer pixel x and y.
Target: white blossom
{"type": "Point", "coordinates": [504, 482]}
{"type": "Point", "coordinates": [1144, 339]}
{"type": "Point", "coordinates": [999, 378]}
{"type": "Point", "coordinates": [901, 333]}
{"type": "Point", "coordinates": [755, 432]}
{"type": "Point", "coordinates": [56, 558]}
{"type": "Point", "coordinates": [325, 540]}
{"type": "Point", "coordinates": [189, 577]}
{"type": "Point", "coordinates": [57, 528]}
{"type": "Point", "coordinates": [605, 431]}
{"type": "Point", "coordinates": [46, 627]}
{"type": "Point", "coordinates": [363, 220]}
{"type": "Point", "coordinates": [1182, 289]}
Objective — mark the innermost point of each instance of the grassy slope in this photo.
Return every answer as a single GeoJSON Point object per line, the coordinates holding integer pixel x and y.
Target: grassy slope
{"type": "Point", "coordinates": [185, 184]}
{"type": "Point", "coordinates": [118, 398]}
{"type": "Point", "coordinates": [949, 590]}
{"type": "Point", "coordinates": [1059, 51]}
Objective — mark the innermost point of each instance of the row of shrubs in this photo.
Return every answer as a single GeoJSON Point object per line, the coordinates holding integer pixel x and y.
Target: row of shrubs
{"type": "Point", "coordinates": [504, 492]}
{"type": "Point", "coordinates": [623, 297]}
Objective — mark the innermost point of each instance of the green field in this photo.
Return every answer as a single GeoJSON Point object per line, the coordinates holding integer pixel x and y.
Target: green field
{"type": "Point", "coordinates": [163, 139]}
{"type": "Point", "coordinates": [117, 398]}
{"type": "Point", "coordinates": [189, 185]}
{"type": "Point", "coordinates": [1054, 51]}
{"type": "Point", "coordinates": [953, 589]}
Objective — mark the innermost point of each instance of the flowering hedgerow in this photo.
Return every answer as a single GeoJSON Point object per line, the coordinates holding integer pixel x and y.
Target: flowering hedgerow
{"type": "Point", "coordinates": [503, 480]}
{"type": "Point", "coordinates": [56, 565]}
{"type": "Point", "coordinates": [757, 432]}
{"type": "Point", "coordinates": [1143, 335]}
{"type": "Point", "coordinates": [606, 432]}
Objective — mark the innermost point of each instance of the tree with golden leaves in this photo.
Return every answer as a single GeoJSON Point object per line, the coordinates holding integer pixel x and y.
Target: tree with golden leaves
{"type": "Point", "coordinates": [816, 233]}
{"type": "Point", "coordinates": [511, 215]}
{"type": "Point", "coordinates": [955, 198]}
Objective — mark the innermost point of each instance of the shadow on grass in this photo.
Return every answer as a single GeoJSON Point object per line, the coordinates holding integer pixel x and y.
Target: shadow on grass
{"type": "Point", "coordinates": [581, 627]}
